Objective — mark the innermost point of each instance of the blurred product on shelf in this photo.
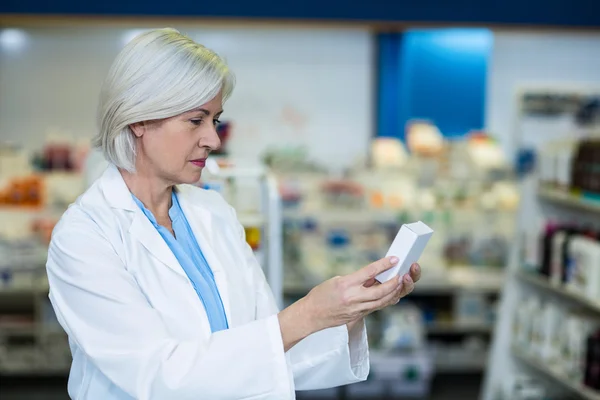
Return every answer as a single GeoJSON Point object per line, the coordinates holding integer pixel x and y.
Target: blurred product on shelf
{"type": "Point", "coordinates": [424, 138]}
{"type": "Point", "coordinates": [224, 132]}
{"type": "Point", "coordinates": [584, 107]}
{"type": "Point", "coordinates": [592, 373]}
{"type": "Point", "coordinates": [558, 336]}
{"type": "Point", "coordinates": [293, 159]}
{"type": "Point", "coordinates": [572, 166]}
{"type": "Point", "coordinates": [342, 193]}
{"type": "Point", "coordinates": [27, 191]}
{"type": "Point", "coordinates": [388, 153]}
{"type": "Point", "coordinates": [585, 175]}
{"type": "Point", "coordinates": [567, 255]}
{"type": "Point", "coordinates": [253, 237]}
{"type": "Point", "coordinates": [525, 387]}
{"type": "Point", "coordinates": [61, 153]}
{"type": "Point", "coordinates": [403, 328]}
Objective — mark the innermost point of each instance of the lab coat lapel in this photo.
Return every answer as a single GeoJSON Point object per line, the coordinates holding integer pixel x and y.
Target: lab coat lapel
{"type": "Point", "coordinates": [143, 230]}
{"type": "Point", "coordinates": [118, 196]}
{"type": "Point", "coordinates": [201, 221]}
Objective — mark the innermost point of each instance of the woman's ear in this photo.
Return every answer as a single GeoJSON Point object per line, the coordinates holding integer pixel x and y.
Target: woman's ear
{"type": "Point", "coordinates": [138, 129]}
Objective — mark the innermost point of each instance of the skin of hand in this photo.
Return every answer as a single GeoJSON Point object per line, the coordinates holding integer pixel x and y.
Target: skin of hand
{"type": "Point", "coordinates": [408, 286]}
{"type": "Point", "coordinates": [344, 300]}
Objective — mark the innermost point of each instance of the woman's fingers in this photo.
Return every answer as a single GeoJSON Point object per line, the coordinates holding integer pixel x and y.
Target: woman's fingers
{"type": "Point", "coordinates": [369, 272]}
{"type": "Point", "coordinates": [415, 272]}
{"type": "Point", "coordinates": [408, 285]}
{"type": "Point", "coordinates": [377, 292]}
{"type": "Point", "coordinates": [391, 297]}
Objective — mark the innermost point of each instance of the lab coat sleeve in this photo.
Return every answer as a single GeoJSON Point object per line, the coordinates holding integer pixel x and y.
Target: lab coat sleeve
{"type": "Point", "coordinates": [329, 358]}
{"type": "Point", "coordinates": [101, 307]}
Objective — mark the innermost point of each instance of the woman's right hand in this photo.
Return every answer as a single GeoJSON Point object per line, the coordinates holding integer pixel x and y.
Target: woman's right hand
{"type": "Point", "coordinates": [344, 299]}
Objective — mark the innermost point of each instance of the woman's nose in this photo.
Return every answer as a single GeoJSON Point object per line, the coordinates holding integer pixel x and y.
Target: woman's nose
{"type": "Point", "coordinates": [211, 140]}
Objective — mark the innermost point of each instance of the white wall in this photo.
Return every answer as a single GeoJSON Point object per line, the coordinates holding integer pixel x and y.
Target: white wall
{"type": "Point", "coordinates": [320, 78]}
{"type": "Point", "coordinates": [534, 59]}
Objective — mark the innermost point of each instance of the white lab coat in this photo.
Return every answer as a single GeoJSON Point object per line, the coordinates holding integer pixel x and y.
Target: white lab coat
{"type": "Point", "coordinates": [137, 328]}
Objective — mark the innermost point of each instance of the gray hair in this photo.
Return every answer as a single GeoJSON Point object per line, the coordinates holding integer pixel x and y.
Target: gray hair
{"type": "Point", "coordinates": [159, 74]}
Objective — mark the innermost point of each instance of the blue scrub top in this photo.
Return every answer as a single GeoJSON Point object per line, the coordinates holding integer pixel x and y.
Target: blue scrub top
{"type": "Point", "coordinates": [187, 251]}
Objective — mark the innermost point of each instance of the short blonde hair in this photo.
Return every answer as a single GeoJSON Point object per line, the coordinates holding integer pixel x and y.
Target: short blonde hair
{"type": "Point", "coordinates": [159, 74]}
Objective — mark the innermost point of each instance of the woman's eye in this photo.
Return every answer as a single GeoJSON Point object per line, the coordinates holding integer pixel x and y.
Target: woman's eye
{"type": "Point", "coordinates": [216, 122]}
{"type": "Point", "coordinates": [196, 121]}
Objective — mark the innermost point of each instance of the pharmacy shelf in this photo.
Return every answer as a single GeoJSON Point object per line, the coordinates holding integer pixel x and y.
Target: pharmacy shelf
{"type": "Point", "coordinates": [567, 199]}
{"type": "Point", "coordinates": [452, 328]}
{"type": "Point", "coordinates": [542, 367]}
{"type": "Point", "coordinates": [467, 362]}
{"type": "Point", "coordinates": [23, 371]}
{"type": "Point", "coordinates": [566, 293]}
{"type": "Point", "coordinates": [341, 216]}
{"type": "Point", "coordinates": [450, 281]}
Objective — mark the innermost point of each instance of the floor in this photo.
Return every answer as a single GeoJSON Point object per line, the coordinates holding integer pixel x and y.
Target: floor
{"type": "Point", "coordinates": [444, 387]}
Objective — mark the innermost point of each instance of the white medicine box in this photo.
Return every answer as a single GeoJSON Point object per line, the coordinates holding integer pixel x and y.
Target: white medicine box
{"type": "Point", "coordinates": [408, 246]}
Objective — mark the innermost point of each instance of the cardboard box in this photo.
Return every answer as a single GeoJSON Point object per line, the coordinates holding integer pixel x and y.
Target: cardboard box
{"type": "Point", "coordinates": [408, 247]}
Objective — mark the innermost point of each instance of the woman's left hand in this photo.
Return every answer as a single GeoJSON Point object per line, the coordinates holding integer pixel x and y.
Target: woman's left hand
{"type": "Point", "coordinates": [408, 284]}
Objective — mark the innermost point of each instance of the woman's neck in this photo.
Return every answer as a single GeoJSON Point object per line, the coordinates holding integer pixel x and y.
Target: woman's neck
{"type": "Point", "coordinates": [153, 192]}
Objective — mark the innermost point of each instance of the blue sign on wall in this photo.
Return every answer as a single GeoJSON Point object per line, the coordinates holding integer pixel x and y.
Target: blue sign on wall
{"type": "Point", "coordinates": [530, 12]}
{"type": "Point", "coordinates": [438, 75]}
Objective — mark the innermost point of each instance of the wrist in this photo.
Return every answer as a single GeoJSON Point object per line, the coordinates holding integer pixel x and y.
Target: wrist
{"type": "Point", "coordinates": [309, 316]}
{"type": "Point", "coordinates": [296, 323]}
{"type": "Point", "coordinates": [354, 326]}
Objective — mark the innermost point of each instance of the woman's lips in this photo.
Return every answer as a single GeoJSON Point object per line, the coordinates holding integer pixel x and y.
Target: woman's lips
{"type": "Point", "coordinates": [199, 163]}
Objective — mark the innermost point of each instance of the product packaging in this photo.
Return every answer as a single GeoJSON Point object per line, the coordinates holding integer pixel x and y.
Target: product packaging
{"type": "Point", "coordinates": [408, 247]}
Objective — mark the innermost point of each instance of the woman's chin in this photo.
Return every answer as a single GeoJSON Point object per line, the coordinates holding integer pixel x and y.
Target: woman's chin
{"type": "Point", "coordinates": [190, 178]}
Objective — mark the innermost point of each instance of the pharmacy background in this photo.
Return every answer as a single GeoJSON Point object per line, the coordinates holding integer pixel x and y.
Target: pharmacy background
{"type": "Point", "coordinates": [328, 151]}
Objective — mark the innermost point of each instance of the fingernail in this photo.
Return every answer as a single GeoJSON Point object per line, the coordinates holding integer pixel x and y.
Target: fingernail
{"type": "Point", "coordinates": [394, 260]}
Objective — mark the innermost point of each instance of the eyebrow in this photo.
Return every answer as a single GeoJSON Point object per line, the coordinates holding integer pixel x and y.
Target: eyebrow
{"type": "Point", "coordinates": [204, 111]}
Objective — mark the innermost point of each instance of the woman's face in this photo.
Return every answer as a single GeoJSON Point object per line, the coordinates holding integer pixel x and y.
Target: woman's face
{"type": "Point", "coordinates": [175, 149]}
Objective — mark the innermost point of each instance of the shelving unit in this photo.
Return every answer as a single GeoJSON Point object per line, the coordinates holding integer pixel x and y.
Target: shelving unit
{"type": "Point", "coordinates": [455, 280]}
{"type": "Point", "coordinates": [550, 138]}
{"type": "Point", "coordinates": [543, 368]}
{"type": "Point", "coordinates": [564, 293]}
{"type": "Point", "coordinates": [561, 197]}
{"type": "Point", "coordinates": [506, 361]}
{"type": "Point", "coordinates": [440, 328]}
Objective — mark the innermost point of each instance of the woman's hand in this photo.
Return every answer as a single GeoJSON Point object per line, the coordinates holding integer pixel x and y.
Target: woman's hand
{"type": "Point", "coordinates": [347, 299]}
{"type": "Point", "coordinates": [344, 300]}
{"type": "Point", "coordinates": [415, 275]}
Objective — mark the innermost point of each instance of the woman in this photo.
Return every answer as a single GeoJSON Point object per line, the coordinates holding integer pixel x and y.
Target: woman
{"type": "Point", "coordinates": [151, 278]}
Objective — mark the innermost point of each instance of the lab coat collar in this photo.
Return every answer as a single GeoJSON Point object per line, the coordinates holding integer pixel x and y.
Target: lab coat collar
{"type": "Point", "coordinates": [118, 196]}
{"type": "Point", "coordinates": [198, 215]}
{"type": "Point", "coordinates": [116, 191]}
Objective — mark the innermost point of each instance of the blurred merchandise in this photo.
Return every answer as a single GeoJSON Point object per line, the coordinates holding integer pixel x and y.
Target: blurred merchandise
{"type": "Point", "coordinates": [424, 138]}
{"type": "Point", "coordinates": [585, 170]}
{"type": "Point", "coordinates": [403, 328]}
{"type": "Point", "coordinates": [224, 132]}
{"type": "Point", "coordinates": [22, 192]}
{"type": "Point", "coordinates": [61, 153]}
{"type": "Point", "coordinates": [568, 256]}
{"type": "Point", "coordinates": [336, 223]}
{"type": "Point", "coordinates": [525, 387]}
{"type": "Point", "coordinates": [560, 337]}
{"type": "Point", "coordinates": [388, 153]}
{"type": "Point", "coordinates": [584, 107]}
